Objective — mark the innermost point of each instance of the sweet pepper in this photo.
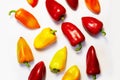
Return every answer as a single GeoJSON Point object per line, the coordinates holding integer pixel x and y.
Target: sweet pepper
{"type": "Point", "coordinates": [38, 72]}
{"type": "Point", "coordinates": [92, 63]}
{"type": "Point", "coordinates": [24, 53]}
{"type": "Point", "coordinates": [93, 6]}
{"type": "Point", "coordinates": [73, 4]}
{"type": "Point", "coordinates": [32, 3]}
{"type": "Point", "coordinates": [26, 18]}
{"type": "Point", "coordinates": [93, 25]}
{"type": "Point", "coordinates": [45, 38]}
{"type": "Point", "coordinates": [58, 61]}
{"type": "Point", "coordinates": [74, 35]}
{"type": "Point", "coordinates": [73, 73]}
{"type": "Point", "coordinates": [55, 10]}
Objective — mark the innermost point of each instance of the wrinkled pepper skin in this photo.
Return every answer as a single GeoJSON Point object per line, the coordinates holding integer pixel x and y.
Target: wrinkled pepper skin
{"type": "Point", "coordinates": [38, 72]}
{"type": "Point", "coordinates": [58, 62]}
{"type": "Point", "coordinates": [26, 18]}
{"type": "Point", "coordinates": [32, 3]}
{"type": "Point", "coordinates": [55, 10]}
{"type": "Point", "coordinates": [73, 34]}
{"type": "Point", "coordinates": [73, 73]}
{"type": "Point", "coordinates": [92, 25]}
{"type": "Point", "coordinates": [73, 4]}
{"type": "Point", "coordinates": [24, 53]}
{"type": "Point", "coordinates": [45, 38]}
{"type": "Point", "coordinates": [93, 6]}
{"type": "Point", "coordinates": [92, 64]}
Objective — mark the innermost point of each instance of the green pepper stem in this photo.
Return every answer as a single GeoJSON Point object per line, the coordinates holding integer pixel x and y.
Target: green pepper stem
{"type": "Point", "coordinates": [79, 47]}
{"type": "Point", "coordinates": [27, 64]}
{"type": "Point", "coordinates": [94, 77]}
{"type": "Point", "coordinates": [103, 32]}
{"type": "Point", "coordinates": [53, 31]}
{"type": "Point", "coordinates": [55, 70]}
{"type": "Point", "coordinates": [62, 18]}
{"type": "Point", "coordinates": [12, 11]}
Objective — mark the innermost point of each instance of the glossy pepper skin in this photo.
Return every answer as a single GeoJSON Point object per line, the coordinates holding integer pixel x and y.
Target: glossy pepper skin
{"type": "Point", "coordinates": [45, 38]}
{"type": "Point", "coordinates": [26, 18]}
{"type": "Point", "coordinates": [58, 61]}
{"type": "Point", "coordinates": [73, 34]}
{"type": "Point", "coordinates": [93, 25]}
{"type": "Point", "coordinates": [92, 63]}
{"type": "Point", "coordinates": [55, 10]}
{"type": "Point", "coordinates": [73, 73]}
{"type": "Point", "coordinates": [32, 3]}
{"type": "Point", "coordinates": [24, 53]}
{"type": "Point", "coordinates": [93, 6]}
{"type": "Point", "coordinates": [73, 4]}
{"type": "Point", "coordinates": [38, 72]}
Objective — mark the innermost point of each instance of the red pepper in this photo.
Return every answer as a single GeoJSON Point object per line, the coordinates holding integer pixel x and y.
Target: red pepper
{"type": "Point", "coordinates": [56, 10]}
{"type": "Point", "coordinates": [73, 34]}
{"type": "Point", "coordinates": [38, 72]}
{"type": "Point", "coordinates": [73, 4]}
{"type": "Point", "coordinates": [26, 18]}
{"type": "Point", "coordinates": [92, 63]}
{"type": "Point", "coordinates": [93, 25]}
{"type": "Point", "coordinates": [33, 3]}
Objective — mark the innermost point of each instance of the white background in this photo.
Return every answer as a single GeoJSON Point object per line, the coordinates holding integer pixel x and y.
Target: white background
{"type": "Point", "coordinates": [107, 47]}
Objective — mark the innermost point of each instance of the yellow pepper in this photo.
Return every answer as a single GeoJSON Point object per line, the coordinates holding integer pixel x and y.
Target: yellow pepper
{"type": "Point", "coordinates": [58, 61]}
{"type": "Point", "coordinates": [73, 73]}
{"type": "Point", "coordinates": [24, 53]}
{"type": "Point", "coordinates": [45, 38]}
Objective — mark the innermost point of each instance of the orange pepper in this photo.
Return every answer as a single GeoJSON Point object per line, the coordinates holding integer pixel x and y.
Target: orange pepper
{"type": "Point", "coordinates": [24, 53]}
{"type": "Point", "coordinates": [26, 18]}
{"type": "Point", "coordinates": [93, 5]}
{"type": "Point", "coordinates": [33, 3]}
{"type": "Point", "coordinates": [73, 73]}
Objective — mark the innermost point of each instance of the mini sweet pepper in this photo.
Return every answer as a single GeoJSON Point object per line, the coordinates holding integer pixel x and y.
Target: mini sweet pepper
{"type": "Point", "coordinates": [73, 34]}
{"type": "Point", "coordinates": [93, 6]}
{"type": "Point", "coordinates": [92, 63]}
{"type": "Point", "coordinates": [24, 53]}
{"type": "Point", "coordinates": [32, 3]}
{"type": "Point", "coordinates": [73, 73]}
{"type": "Point", "coordinates": [45, 38]}
{"type": "Point", "coordinates": [26, 18]}
{"type": "Point", "coordinates": [38, 72]}
{"type": "Point", "coordinates": [58, 61]}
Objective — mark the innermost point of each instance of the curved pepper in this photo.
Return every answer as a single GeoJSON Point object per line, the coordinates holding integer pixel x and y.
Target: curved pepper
{"type": "Point", "coordinates": [38, 72]}
{"type": "Point", "coordinates": [73, 73]}
{"type": "Point", "coordinates": [73, 4]}
{"type": "Point", "coordinates": [33, 3]}
{"type": "Point", "coordinates": [26, 18]}
{"type": "Point", "coordinates": [45, 38]}
{"type": "Point", "coordinates": [93, 25]}
{"type": "Point", "coordinates": [58, 61]}
{"type": "Point", "coordinates": [92, 63]}
{"type": "Point", "coordinates": [24, 53]}
{"type": "Point", "coordinates": [73, 34]}
{"type": "Point", "coordinates": [93, 6]}
{"type": "Point", "coordinates": [56, 10]}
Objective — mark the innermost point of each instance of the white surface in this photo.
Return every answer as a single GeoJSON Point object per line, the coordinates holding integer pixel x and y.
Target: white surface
{"type": "Point", "coordinates": [107, 48]}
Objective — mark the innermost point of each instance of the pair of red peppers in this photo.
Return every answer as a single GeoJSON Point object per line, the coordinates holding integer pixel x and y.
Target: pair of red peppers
{"type": "Point", "coordinates": [75, 36]}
